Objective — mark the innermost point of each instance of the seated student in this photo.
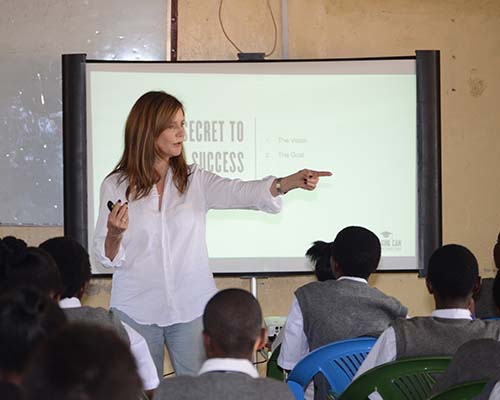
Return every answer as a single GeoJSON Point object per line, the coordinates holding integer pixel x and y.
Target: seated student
{"type": "Point", "coordinates": [452, 277]}
{"type": "Point", "coordinates": [74, 265]}
{"type": "Point", "coordinates": [21, 265]}
{"type": "Point", "coordinates": [492, 390]}
{"type": "Point", "coordinates": [27, 318]}
{"type": "Point", "coordinates": [484, 305]}
{"type": "Point", "coordinates": [325, 312]}
{"type": "Point", "coordinates": [83, 361]}
{"type": "Point", "coordinates": [232, 332]}
{"type": "Point", "coordinates": [473, 361]}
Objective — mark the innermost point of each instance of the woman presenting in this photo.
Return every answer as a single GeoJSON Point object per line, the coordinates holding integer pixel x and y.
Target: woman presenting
{"type": "Point", "coordinates": [155, 233]}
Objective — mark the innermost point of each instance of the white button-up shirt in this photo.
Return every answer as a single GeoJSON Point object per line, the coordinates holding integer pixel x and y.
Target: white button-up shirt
{"type": "Point", "coordinates": [495, 393]}
{"type": "Point", "coordinates": [162, 275]}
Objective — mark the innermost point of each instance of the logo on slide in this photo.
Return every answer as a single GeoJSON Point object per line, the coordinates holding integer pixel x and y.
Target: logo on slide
{"type": "Point", "coordinates": [390, 242]}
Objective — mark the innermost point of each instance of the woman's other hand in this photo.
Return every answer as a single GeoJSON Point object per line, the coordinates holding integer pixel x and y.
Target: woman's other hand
{"type": "Point", "coordinates": [118, 219]}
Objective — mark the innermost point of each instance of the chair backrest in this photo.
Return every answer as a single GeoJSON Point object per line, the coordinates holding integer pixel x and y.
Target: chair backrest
{"type": "Point", "coordinates": [273, 370]}
{"type": "Point", "coordinates": [409, 379]}
{"type": "Point", "coordinates": [464, 391]}
{"type": "Point", "coordinates": [338, 362]}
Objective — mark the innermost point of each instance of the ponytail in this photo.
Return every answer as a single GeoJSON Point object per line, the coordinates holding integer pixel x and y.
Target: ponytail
{"type": "Point", "coordinates": [320, 255]}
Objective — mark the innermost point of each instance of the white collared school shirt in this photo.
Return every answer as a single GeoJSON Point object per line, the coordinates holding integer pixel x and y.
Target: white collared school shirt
{"type": "Point", "coordinates": [240, 365]}
{"type": "Point", "coordinates": [161, 270]}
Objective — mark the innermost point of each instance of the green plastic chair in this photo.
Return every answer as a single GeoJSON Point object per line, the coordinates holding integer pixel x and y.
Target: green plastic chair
{"type": "Point", "coordinates": [409, 379]}
{"type": "Point", "coordinates": [273, 370]}
{"type": "Point", "coordinates": [465, 391]}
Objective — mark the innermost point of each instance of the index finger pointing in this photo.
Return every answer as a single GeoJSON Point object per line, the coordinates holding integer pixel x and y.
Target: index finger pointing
{"type": "Point", "coordinates": [323, 173]}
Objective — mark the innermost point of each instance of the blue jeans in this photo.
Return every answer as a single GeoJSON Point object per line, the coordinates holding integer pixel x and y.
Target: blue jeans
{"type": "Point", "coordinates": [184, 343]}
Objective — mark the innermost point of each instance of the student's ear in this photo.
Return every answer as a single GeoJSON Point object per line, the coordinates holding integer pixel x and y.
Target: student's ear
{"type": "Point", "coordinates": [261, 340]}
{"type": "Point", "coordinates": [430, 289]}
{"type": "Point", "coordinates": [471, 305]}
{"type": "Point", "coordinates": [83, 290]}
{"type": "Point", "coordinates": [207, 343]}
{"type": "Point", "coordinates": [477, 287]}
{"type": "Point", "coordinates": [337, 271]}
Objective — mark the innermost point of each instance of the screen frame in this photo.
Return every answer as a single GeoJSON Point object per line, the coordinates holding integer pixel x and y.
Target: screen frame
{"type": "Point", "coordinates": [429, 198]}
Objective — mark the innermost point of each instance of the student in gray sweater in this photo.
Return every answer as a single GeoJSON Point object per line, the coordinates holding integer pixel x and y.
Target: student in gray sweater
{"type": "Point", "coordinates": [345, 308]}
{"type": "Point", "coordinates": [74, 265]}
{"type": "Point", "coordinates": [232, 333]}
{"type": "Point", "coordinates": [475, 360]}
{"type": "Point", "coordinates": [452, 277]}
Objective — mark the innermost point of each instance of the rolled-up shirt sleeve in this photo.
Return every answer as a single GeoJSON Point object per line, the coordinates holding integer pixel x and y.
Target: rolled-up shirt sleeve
{"type": "Point", "coordinates": [225, 193]}
{"type": "Point", "coordinates": [107, 193]}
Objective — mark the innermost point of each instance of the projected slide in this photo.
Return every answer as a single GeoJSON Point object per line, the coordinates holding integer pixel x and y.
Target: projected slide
{"type": "Point", "coordinates": [249, 121]}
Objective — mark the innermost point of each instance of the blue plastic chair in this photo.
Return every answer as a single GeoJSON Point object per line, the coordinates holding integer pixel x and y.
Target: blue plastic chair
{"type": "Point", "coordinates": [338, 362]}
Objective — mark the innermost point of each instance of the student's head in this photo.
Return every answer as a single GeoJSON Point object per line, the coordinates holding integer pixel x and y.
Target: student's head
{"type": "Point", "coordinates": [21, 265]}
{"type": "Point", "coordinates": [452, 276]}
{"type": "Point", "coordinates": [232, 325]}
{"type": "Point", "coordinates": [83, 361]}
{"type": "Point", "coordinates": [73, 263]}
{"type": "Point", "coordinates": [154, 130]}
{"type": "Point", "coordinates": [355, 252]}
{"type": "Point", "coordinates": [496, 252]}
{"type": "Point", "coordinates": [27, 318]}
{"type": "Point", "coordinates": [320, 254]}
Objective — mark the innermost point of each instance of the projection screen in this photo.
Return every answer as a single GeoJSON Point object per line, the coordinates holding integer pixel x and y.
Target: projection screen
{"type": "Point", "coordinates": [356, 118]}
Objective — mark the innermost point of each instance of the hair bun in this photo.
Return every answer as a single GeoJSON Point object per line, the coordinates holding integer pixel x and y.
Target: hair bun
{"type": "Point", "coordinates": [319, 250]}
{"type": "Point", "coordinates": [12, 251]}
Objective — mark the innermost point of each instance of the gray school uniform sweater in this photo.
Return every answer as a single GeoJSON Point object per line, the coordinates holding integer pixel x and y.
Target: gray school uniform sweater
{"type": "Point", "coordinates": [336, 310]}
{"type": "Point", "coordinates": [219, 385]}
{"type": "Point", "coordinates": [431, 336]}
{"type": "Point", "coordinates": [97, 316]}
{"type": "Point", "coordinates": [473, 361]}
